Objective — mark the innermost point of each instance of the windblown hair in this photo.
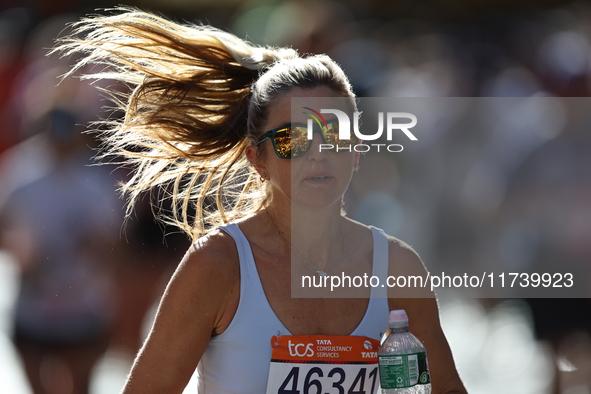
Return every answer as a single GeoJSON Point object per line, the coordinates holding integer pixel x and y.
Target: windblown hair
{"type": "Point", "coordinates": [197, 98]}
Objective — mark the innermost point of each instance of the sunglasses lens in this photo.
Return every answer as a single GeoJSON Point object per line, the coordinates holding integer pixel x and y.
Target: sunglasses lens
{"type": "Point", "coordinates": [291, 142]}
{"type": "Point", "coordinates": [331, 135]}
{"type": "Point", "coordinates": [299, 141]}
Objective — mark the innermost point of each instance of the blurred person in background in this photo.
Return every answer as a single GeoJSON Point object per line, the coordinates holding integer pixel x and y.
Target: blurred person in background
{"type": "Point", "coordinates": [11, 63]}
{"type": "Point", "coordinates": [59, 229]}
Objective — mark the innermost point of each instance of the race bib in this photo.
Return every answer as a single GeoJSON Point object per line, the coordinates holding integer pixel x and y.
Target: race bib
{"type": "Point", "coordinates": [323, 364]}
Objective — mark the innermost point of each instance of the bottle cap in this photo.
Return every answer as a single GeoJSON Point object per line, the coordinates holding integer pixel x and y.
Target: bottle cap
{"type": "Point", "coordinates": [398, 318]}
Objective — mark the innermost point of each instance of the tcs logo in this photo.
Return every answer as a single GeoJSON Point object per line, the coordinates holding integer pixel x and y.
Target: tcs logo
{"type": "Point", "coordinates": [300, 349]}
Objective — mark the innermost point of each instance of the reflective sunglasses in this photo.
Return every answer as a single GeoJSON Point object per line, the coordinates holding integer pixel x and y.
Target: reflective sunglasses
{"type": "Point", "coordinates": [292, 141]}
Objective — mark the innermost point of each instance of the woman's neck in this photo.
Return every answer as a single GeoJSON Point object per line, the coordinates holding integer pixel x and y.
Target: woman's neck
{"type": "Point", "coordinates": [313, 234]}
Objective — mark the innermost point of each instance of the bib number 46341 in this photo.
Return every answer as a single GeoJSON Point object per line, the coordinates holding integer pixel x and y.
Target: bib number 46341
{"type": "Point", "coordinates": [344, 379]}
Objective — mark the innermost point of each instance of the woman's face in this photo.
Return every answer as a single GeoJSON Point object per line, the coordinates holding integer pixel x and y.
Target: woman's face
{"type": "Point", "coordinates": [319, 177]}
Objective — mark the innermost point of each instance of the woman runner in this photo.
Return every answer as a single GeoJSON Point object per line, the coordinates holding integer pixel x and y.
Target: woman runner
{"type": "Point", "coordinates": [208, 122]}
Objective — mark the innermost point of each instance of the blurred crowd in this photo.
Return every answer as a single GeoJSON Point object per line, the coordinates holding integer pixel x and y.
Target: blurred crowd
{"type": "Point", "coordinates": [515, 196]}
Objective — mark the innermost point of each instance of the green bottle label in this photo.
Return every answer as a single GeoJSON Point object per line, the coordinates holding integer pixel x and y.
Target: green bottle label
{"type": "Point", "coordinates": [403, 370]}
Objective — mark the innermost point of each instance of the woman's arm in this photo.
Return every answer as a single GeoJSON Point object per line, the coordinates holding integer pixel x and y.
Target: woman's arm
{"type": "Point", "coordinates": [199, 301]}
{"type": "Point", "coordinates": [423, 317]}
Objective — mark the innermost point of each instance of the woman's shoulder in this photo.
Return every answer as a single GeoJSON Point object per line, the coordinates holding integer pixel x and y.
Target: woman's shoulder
{"type": "Point", "coordinates": [209, 267]}
{"type": "Point", "coordinates": [402, 251]}
{"type": "Point", "coordinates": [215, 250]}
{"type": "Point", "coordinates": [396, 247]}
{"type": "Point", "coordinates": [401, 255]}
{"type": "Point", "coordinates": [404, 264]}
{"type": "Point", "coordinates": [206, 284]}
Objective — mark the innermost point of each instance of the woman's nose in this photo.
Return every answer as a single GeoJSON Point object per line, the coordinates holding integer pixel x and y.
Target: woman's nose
{"type": "Point", "coordinates": [318, 149]}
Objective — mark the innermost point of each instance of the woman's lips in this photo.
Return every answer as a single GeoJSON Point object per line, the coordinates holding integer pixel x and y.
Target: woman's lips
{"type": "Point", "coordinates": [319, 178]}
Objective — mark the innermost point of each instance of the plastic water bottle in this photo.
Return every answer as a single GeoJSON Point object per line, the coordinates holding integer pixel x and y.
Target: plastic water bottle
{"type": "Point", "coordinates": [403, 360]}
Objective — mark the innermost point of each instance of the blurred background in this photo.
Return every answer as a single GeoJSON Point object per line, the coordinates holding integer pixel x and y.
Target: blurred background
{"type": "Point", "coordinates": [77, 290]}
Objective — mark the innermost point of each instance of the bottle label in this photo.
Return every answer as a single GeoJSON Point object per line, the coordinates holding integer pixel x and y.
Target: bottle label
{"type": "Point", "coordinates": [403, 370]}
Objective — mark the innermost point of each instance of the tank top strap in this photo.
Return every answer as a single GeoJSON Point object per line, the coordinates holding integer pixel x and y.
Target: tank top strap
{"type": "Point", "coordinates": [253, 300]}
{"type": "Point", "coordinates": [375, 321]}
{"type": "Point", "coordinates": [380, 262]}
{"type": "Point", "coordinates": [248, 270]}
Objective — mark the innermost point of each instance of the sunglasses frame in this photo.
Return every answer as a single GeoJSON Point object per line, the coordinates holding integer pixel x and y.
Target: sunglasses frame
{"type": "Point", "coordinates": [271, 135]}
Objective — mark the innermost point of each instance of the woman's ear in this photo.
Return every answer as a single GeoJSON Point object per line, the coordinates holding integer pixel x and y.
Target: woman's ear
{"type": "Point", "coordinates": [252, 155]}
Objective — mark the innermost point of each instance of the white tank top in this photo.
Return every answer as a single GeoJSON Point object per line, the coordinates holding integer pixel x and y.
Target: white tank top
{"type": "Point", "coordinates": [237, 361]}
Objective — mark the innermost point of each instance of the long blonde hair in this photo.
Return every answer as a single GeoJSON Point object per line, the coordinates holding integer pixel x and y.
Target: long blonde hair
{"type": "Point", "coordinates": [197, 98]}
